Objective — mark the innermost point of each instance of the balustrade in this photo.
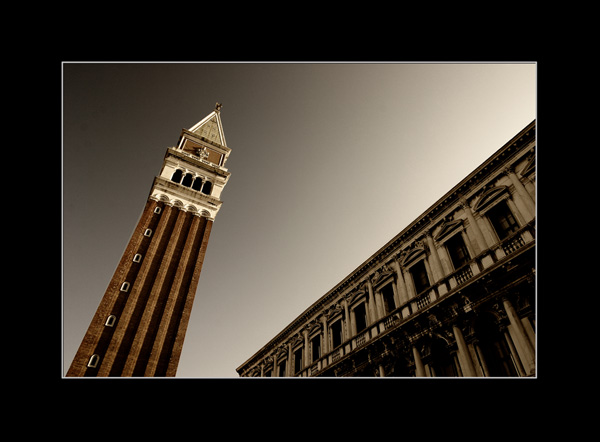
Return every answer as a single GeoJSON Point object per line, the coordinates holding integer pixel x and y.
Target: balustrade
{"type": "Point", "coordinates": [442, 289]}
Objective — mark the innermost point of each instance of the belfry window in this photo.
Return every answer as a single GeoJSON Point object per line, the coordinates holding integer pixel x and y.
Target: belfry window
{"type": "Point", "coordinates": [176, 178]}
{"type": "Point", "coordinates": [197, 184]}
{"type": "Point", "coordinates": [187, 180]}
{"type": "Point", "coordinates": [207, 188]}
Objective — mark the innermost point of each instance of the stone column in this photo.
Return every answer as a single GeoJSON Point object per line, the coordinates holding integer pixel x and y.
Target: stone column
{"type": "Point", "coordinates": [306, 348]}
{"type": "Point", "coordinates": [372, 306]}
{"type": "Point", "coordinates": [275, 371]}
{"type": "Point", "coordinates": [290, 366]}
{"type": "Point", "coordinates": [464, 358]}
{"type": "Point", "coordinates": [412, 292]}
{"type": "Point", "coordinates": [400, 284]}
{"type": "Point", "coordinates": [325, 342]}
{"type": "Point", "coordinates": [436, 263]}
{"type": "Point", "coordinates": [419, 368]}
{"type": "Point", "coordinates": [520, 338]}
{"type": "Point", "coordinates": [480, 242]}
{"type": "Point", "coordinates": [528, 206]}
{"type": "Point", "coordinates": [348, 328]}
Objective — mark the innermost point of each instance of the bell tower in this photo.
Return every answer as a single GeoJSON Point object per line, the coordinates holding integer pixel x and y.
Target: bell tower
{"type": "Point", "coordinates": [140, 324]}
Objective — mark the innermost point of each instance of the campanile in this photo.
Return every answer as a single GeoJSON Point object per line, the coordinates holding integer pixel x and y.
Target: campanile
{"type": "Point", "coordinates": [140, 324]}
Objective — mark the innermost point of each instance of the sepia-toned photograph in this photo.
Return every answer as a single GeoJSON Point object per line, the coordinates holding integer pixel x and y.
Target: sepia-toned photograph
{"type": "Point", "coordinates": [299, 219]}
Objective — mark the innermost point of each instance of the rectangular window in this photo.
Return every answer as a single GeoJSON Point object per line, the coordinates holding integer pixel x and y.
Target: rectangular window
{"type": "Point", "coordinates": [316, 347]}
{"type": "Point", "coordinates": [389, 303]}
{"type": "Point", "coordinates": [360, 317]}
{"type": "Point", "coordinates": [420, 278]}
{"type": "Point", "coordinates": [148, 232]}
{"type": "Point", "coordinates": [502, 220]}
{"type": "Point", "coordinates": [298, 360]}
{"type": "Point", "coordinates": [459, 255]}
{"type": "Point", "coordinates": [336, 334]}
{"type": "Point", "coordinates": [157, 210]}
{"type": "Point", "coordinates": [137, 257]}
{"type": "Point", "coordinates": [125, 287]}
{"type": "Point", "coordinates": [281, 366]}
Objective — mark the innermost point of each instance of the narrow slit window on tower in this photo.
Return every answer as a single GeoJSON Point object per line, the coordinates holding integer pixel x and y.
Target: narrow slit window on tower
{"type": "Point", "coordinates": [125, 287]}
{"type": "Point", "coordinates": [93, 362]}
{"type": "Point", "coordinates": [148, 232]}
{"type": "Point", "coordinates": [137, 257]}
{"type": "Point", "coordinates": [110, 321]}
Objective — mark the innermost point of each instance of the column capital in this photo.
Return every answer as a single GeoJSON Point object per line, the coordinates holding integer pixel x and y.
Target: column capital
{"type": "Point", "coordinates": [508, 169]}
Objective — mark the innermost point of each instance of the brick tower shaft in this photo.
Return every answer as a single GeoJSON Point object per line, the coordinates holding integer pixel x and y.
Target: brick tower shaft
{"type": "Point", "coordinates": [140, 324]}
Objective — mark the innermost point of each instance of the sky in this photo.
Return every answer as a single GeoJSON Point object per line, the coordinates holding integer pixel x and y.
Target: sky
{"type": "Point", "coordinates": [329, 161]}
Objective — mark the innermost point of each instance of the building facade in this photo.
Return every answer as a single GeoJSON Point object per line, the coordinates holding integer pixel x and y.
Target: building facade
{"type": "Point", "coordinates": [452, 295]}
{"type": "Point", "coordinates": [140, 324]}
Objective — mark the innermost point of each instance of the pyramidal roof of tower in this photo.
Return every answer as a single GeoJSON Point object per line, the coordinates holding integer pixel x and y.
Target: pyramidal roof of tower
{"type": "Point", "coordinates": [211, 127]}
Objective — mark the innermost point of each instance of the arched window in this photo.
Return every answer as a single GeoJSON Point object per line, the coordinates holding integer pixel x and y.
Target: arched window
{"type": "Point", "coordinates": [177, 176]}
{"type": "Point", "coordinates": [207, 188]}
{"type": "Point", "coordinates": [197, 185]}
{"type": "Point", "coordinates": [187, 180]}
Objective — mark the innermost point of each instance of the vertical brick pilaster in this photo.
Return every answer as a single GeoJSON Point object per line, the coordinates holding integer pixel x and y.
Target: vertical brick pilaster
{"type": "Point", "coordinates": [188, 299]}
